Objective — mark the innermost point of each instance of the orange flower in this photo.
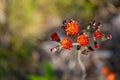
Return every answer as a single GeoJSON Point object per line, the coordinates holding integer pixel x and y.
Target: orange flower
{"type": "Point", "coordinates": [72, 28]}
{"type": "Point", "coordinates": [83, 40]}
{"type": "Point", "coordinates": [105, 71]}
{"type": "Point", "coordinates": [111, 76]}
{"type": "Point", "coordinates": [98, 34]}
{"type": "Point", "coordinates": [66, 43]}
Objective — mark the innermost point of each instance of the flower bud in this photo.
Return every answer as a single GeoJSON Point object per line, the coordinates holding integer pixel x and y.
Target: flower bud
{"type": "Point", "coordinates": [85, 52]}
{"type": "Point", "coordinates": [78, 47]}
{"type": "Point", "coordinates": [90, 48]}
{"type": "Point", "coordinates": [64, 22]}
{"type": "Point", "coordinates": [109, 36]}
{"type": "Point", "coordinates": [99, 25]}
{"type": "Point", "coordinates": [55, 37]}
{"type": "Point", "coordinates": [53, 50]}
{"type": "Point", "coordinates": [96, 45]}
{"type": "Point", "coordinates": [94, 23]}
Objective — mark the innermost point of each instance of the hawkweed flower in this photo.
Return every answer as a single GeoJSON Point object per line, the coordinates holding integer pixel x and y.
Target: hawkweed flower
{"type": "Point", "coordinates": [66, 43]}
{"type": "Point", "coordinates": [97, 34]}
{"type": "Point", "coordinates": [72, 28]}
{"type": "Point", "coordinates": [83, 40]}
{"type": "Point", "coordinates": [111, 76]}
{"type": "Point", "coordinates": [105, 70]}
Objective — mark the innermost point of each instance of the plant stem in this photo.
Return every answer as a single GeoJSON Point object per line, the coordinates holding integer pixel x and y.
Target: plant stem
{"type": "Point", "coordinates": [75, 44]}
{"type": "Point", "coordinates": [81, 65]}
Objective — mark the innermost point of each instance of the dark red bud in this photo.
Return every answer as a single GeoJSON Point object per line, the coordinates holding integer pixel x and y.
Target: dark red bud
{"type": "Point", "coordinates": [63, 27]}
{"type": "Point", "coordinates": [95, 42]}
{"type": "Point", "coordinates": [55, 37]}
{"type": "Point", "coordinates": [71, 20]}
{"type": "Point", "coordinates": [99, 25]}
{"type": "Point", "coordinates": [109, 36]}
{"type": "Point", "coordinates": [90, 48]}
{"type": "Point", "coordinates": [64, 22]}
{"type": "Point", "coordinates": [94, 23]}
{"type": "Point", "coordinates": [81, 33]}
{"type": "Point", "coordinates": [97, 46]}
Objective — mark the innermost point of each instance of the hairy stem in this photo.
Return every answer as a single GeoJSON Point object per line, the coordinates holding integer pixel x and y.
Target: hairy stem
{"type": "Point", "coordinates": [75, 44]}
{"type": "Point", "coordinates": [81, 65]}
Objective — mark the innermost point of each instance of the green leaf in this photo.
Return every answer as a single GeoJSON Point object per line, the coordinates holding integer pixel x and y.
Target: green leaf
{"type": "Point", "coordinates": [49, 71]}
{"type": "Point", "coordinates": [34, 77]}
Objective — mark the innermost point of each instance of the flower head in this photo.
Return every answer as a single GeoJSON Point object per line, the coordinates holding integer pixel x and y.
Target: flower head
{"type": "Point", "coordinates": [111, 76]}
{"type": "Point", "coordinates": [72, 28]}
{"type": "Point", "coordinates": [98, 34]}
{"type": "Point", "coordinates": [54, 36]}
{"type": "Point", "coordinates": [83, 40]}
{"type": "Point", "coordinates": [105, 71]}
{"type": "Point", "coordinates": [66, 43]}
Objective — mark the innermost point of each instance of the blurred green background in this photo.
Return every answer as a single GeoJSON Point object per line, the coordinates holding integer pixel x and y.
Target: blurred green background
{"type": "Point", "coordinates": [25, 26]}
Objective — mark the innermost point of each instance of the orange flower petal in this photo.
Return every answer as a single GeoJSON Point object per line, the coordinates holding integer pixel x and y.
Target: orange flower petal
{"type": "Point", "coordinates": [83, 40]}
{"type": "Point", "coordinates": [72, 28]}
{"type": "Point", "coordinates": [66, 43]}
{"type": "Point", "coordinates": [111, 76]}
{"type": "Point", "coordinates": [105, 71]}
{"type": "Point", "coordinates": [98, 34]}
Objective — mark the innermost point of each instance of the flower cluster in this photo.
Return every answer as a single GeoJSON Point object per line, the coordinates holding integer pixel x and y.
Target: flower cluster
{"type": "Point", "coordinates": [88, 38]}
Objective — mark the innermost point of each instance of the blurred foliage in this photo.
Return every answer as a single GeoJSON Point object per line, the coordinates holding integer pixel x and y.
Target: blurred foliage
{"type": "Point", "coordinates": [27, 23]}
{"type": "Point", "coordinates": [49, 74]}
